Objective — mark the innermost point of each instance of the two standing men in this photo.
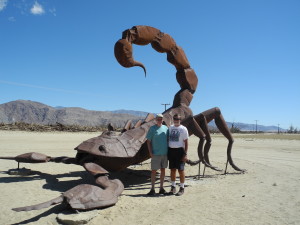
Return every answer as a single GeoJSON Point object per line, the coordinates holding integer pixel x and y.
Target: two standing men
{"type": "Point", "coordinates": [167, 144]}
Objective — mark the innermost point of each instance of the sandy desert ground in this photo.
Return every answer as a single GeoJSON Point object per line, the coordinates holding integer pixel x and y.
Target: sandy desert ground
{"type": "Point", "coordinates": [268, 193]}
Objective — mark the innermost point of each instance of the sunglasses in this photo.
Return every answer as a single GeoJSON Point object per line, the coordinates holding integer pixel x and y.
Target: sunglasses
{"type": "Point", "coordinates": [176, 119]}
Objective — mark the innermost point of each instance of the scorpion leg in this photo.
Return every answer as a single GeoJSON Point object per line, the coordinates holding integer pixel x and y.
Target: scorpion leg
{"type": "Point", "coordinates": [215, 113]}
{"type": "Point", "coordinates": [115, 186]}
{"type": "Point", "coordinates": [127, 126]}
{"type": "Point", "coordinates": [149, 117]}
{"type": "Point", "coordinates": [194, 128]}
{"type": "Point", "coordinates": [138, 124]}
{"type": "Point", "coordinates": [201, 120]}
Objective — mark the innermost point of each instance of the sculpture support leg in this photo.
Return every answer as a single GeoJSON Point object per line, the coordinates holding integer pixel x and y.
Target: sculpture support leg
{"type": "Point", "coordinates": [199, 170]}
{"type": "Point", "coordinates": [226, 167]}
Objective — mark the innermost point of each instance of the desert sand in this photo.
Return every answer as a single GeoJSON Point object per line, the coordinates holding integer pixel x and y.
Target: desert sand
{"type": "Point", "coordinates": [268, 193]}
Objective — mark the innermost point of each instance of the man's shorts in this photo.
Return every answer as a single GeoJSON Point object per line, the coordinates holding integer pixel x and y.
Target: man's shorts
{"type": "Point", "coordinates": [159, 161]}
{"type": "Point", "coordinates": [175, 156]}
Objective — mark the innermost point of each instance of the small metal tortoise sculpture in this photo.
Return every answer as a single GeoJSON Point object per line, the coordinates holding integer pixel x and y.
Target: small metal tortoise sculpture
{"type": "Point", "coordinates": [111, 152]}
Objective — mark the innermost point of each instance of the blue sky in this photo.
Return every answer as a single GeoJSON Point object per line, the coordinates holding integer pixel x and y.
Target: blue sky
{"type": "Point", "coordinates": [246, 54]}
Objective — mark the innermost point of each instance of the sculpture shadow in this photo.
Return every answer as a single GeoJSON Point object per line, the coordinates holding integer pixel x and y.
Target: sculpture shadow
{"type": "Point", "coordinates": [52, 180]}
{"type": "Point", "coordinates": [55, 209]}
{"type": "Point", "coordinates": [129, 177]}
{"type": "Point", "coordinates": [132, 178]}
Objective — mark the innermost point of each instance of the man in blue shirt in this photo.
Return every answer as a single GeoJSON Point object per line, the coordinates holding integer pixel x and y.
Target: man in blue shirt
{"type": "Point", "coordinates": [158, 149]}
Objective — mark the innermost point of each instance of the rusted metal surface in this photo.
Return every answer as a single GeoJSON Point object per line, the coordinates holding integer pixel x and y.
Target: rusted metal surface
{"type": "Point", "coordinates": [111, 152]}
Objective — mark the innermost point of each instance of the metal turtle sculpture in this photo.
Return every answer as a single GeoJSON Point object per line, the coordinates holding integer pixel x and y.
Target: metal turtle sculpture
{"type": "Point", "coordinates": [111, 152]}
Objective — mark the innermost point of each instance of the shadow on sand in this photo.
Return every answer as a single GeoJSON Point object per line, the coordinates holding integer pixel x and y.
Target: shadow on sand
{"type": "Point", "coordinates": [131, 178]}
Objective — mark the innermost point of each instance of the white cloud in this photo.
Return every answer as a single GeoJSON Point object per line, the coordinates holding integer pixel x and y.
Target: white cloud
{"type": "Point", "coordinates": [11, 19]}
{"type": "Point", "coordinates": [53, 11]}
{"type": "Point", "coordinates": [3, 3]}
{"type": "Point", "coordinates": [37, 9]}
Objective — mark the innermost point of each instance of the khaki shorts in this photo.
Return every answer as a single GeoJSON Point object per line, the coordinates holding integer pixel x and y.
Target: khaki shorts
{"type": "Point", "coordinates": [159, 161]}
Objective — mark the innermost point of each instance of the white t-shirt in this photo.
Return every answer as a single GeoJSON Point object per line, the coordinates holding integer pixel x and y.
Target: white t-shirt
{"type": "Point", "coordinates": [177, 135]}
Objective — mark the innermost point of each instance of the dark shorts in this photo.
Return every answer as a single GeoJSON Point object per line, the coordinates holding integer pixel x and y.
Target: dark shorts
{"type": "Point", "coordinates": [175, 156]}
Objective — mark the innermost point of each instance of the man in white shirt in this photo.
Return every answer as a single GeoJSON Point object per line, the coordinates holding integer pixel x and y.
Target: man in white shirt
{"type": "Point", "coordinates": [178, 147]}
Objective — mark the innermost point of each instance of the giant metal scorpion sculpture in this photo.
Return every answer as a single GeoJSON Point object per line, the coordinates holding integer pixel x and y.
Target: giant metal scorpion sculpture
{"type": "Point", "coordinates": [111, 152]}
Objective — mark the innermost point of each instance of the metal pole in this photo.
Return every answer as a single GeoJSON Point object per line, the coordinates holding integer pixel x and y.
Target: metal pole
{"type": "Point", "coordinates": [199, 170]}
{"type": "Point", "coordinates": [165, 105]}
{"type": "Point", "coordinates": [226, 167]}
{"type": "Point", "coordinates": [256, 126]}
{"type": "Point", "coordinates": [278, 128]}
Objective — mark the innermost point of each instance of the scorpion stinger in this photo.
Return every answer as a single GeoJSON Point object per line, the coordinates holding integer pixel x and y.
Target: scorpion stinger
{"type": "Point", "coordinates": [123, 53]}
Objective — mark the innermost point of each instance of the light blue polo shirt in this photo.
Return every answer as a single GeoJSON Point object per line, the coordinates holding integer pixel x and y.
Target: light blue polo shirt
{"type": "Point", "coordinates": [158, 137]}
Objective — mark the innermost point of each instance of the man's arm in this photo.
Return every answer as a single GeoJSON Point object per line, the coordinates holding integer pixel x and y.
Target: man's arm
{"type": "Point", "coordinates": [186, 145]}
{"type": "Point", "coordinates": [184, 158]}
{"type": "Point", "coordinates": [149, 147]}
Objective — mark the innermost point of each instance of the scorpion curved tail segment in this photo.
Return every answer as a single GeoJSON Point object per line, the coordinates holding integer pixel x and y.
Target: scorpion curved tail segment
{"type": "Point", "coordinates": [161, 42]}
{"type": "Point", "coordinates": [123, 53]}
{"type": "Point", "coordinates": [47, 204]}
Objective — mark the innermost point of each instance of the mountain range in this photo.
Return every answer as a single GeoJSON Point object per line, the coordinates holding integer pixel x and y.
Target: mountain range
{"type": "Point", "coordinates": [38, 113]}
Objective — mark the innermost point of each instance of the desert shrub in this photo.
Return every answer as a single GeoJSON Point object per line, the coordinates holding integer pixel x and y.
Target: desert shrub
{"type": "Point", "coordinates": [22, 126]}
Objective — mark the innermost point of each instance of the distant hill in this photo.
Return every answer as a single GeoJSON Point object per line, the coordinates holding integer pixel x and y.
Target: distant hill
{"type": "Point", "coordinates": [251, 127]}
{"type": "Point", "coordinates": [131, 112]}
{"type": "Point", "coordinates": [38, 113]}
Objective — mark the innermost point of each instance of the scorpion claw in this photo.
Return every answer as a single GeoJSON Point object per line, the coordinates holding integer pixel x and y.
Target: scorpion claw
{"type": "Point", "coordinates": [215, 168]}
{"type": "Point", "coordinates": [94, 169]}
{"type": "Point", "coordinates": [192, 163]}
{"type": "Point", "coordinates": [210, 166]}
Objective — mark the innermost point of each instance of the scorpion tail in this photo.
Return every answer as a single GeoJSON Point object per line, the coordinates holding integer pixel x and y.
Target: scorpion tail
{"type": "Point", "coordinates": [123, 54]}
{"type": "Point", "coordinates": [162, 43]}
{"type": "Point", "coordinates": [41, 205]}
